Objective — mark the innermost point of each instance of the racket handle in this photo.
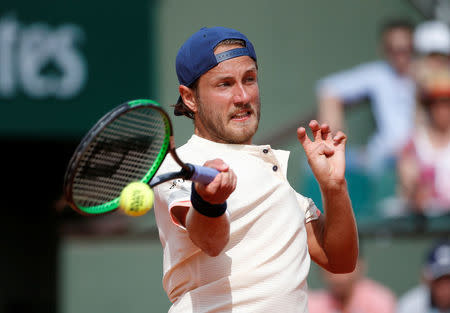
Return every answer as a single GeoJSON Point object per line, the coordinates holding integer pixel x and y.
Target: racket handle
{"type": "Point", "coordinates": [202, 174]}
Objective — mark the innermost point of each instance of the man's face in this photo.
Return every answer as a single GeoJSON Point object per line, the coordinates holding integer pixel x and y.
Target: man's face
{"type": "Point", "coordinates": [398, 48]}
{"type": "Point", "coordinates": [440, 114]}
{"type": "Point", "coordinates": [228, 103]}
{"type": "Point", "coordinates": [440, 292]}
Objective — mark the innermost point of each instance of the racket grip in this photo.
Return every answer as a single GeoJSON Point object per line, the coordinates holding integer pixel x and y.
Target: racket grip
{"type": "Point", "coordinates": [203, 174]}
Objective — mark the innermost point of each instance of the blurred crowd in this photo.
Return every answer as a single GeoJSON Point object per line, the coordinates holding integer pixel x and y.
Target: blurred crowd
{"type": "Point", "coordinates": [409, 94]}
{"type": "Point", "coordinates": [408, 90]}
{"type": "Point", "coordinates": [356, 293]}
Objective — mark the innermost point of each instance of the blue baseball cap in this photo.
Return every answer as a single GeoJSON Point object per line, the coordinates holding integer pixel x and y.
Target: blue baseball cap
{"type": "Point", "coordinates": [196, 56]}
{"type": "Point", "coordinates": [438, 261]}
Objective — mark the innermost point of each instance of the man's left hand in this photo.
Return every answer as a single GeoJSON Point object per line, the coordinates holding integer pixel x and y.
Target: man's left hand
{"type": "Point", "coordinates": [325, 154]}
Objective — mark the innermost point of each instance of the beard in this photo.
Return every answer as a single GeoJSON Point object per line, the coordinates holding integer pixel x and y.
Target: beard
{"type": "Point", "coordinates": [219, 127]}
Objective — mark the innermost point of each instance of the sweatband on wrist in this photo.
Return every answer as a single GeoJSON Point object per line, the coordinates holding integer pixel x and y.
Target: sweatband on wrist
{"type": "Point", "coordinates": [204, 207]}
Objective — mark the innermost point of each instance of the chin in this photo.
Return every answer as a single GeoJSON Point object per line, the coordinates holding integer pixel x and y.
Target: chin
{"type": "Point", "coordinates": [242, 136]}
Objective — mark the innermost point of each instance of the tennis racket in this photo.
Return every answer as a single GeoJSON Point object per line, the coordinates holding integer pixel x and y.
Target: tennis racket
{"type": "Point", "coordinates": [127, 144]}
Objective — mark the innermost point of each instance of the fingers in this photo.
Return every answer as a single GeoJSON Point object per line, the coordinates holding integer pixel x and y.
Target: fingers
{"type": "Point", "coordinates": [226, 182]}
{"type": "Point", "coordinates": [302, 136]}
{"type": "Point", "coordinates": [218, 164]}
{"type": "Point", "coordinates": [326, 150]}
{"type": "Point", "coordinates": [339, 139]}
{"type": "Point", "coordinates": [316, 130]}
{"type": "Point", "coordinates": [326, 132]}
{"type": "Point", "coordinates": [324, 142]}
{"type": "Point", "coordinates": [226, 179]}
{"type": "Point", "coordinates": [221, 187]}
{"type": "Point", "coordinates": [320, 132]}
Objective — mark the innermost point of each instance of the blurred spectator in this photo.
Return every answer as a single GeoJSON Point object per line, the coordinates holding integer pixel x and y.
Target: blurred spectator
{"type": "Point", "coordinates": [389, 87]}
{"type": "Point", "coordinates": [424, 164]}
{"type": "Point", "coordinates": [433, 296]}
{"type": "Point", "coordinates": [432, 45]}
{"type": "Point", "coordinates": [351, 293]}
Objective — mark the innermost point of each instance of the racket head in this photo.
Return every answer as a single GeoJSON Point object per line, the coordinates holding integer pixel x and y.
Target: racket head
{"type": "Point", "coordinates": [127, 144]}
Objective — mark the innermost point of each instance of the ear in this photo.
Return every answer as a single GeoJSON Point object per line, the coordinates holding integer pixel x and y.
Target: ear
{"type": "Point", "coordinates": [189, 97]}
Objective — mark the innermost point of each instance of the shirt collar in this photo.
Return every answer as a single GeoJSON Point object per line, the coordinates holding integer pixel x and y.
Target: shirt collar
{"type": "Point", "coordinates": [281, 155]}
{"type": "Point", "coordinates": [195, 139]}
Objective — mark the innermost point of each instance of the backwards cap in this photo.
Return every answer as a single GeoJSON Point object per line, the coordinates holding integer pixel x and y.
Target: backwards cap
{"type": "Point", "coordinates": [196, 56]}
{"type": "Point", "coordinates": [438, 261]}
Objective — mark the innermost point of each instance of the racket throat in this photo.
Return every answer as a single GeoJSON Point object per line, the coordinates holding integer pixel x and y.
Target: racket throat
{"type": "Point", "coordinates": [185, 173]}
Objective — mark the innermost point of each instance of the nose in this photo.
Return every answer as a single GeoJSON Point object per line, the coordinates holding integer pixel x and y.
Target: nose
{"type": "Point", "coordinates": [241, 94]}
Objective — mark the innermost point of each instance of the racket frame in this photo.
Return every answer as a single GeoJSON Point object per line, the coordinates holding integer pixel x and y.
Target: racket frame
{"type": "Point", "coordinates": [167, 147]}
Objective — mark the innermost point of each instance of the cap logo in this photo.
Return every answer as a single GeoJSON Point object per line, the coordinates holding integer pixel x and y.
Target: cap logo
{"type": "Point", "coordinates": [233, 53]}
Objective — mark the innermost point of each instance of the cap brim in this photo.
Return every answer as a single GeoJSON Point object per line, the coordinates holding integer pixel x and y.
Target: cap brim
{"type": "Point", "coordinates": [435, 272]}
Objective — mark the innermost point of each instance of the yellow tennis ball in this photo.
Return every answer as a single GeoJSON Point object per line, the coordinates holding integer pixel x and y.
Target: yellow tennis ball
{"type": "Point", "coordinates": [136, 199]}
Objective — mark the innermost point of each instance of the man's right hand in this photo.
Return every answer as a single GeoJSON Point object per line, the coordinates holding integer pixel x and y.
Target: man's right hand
{"type": "Point", "coordinates": [218, 191]}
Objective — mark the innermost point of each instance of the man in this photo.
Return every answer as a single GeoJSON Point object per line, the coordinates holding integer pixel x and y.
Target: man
{"type": "Point", "coordinates": [434, 295]}
{"type": "Point", "coordinates": [240, 243]}
{"type": "Point", "coordinates": [389, 87]}
{"type": "Point", "coordinates": [352, 292]}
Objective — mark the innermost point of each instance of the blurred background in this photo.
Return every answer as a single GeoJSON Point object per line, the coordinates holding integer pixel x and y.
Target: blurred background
{"type": "Point", "coordinates": [63, 64]}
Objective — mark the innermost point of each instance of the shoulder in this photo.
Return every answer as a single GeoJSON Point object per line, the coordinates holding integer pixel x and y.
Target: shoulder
{"type": "Point", "coordinates": [169, 164]}
{"type": "Point", "coordinates": [414, 300]}
{"type": "Point", "coordinates": [373, 70]}
{"type": "Point", "coordinates": [354, 82]}
{"type": "Point", "coordinates": [360, 69]}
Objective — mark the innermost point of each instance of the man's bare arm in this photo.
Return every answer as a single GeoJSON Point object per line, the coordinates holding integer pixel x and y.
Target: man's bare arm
{"type": "Point", "coordinates": [210, 234]}
{"type": "Point", "coordinates": [333, 238]}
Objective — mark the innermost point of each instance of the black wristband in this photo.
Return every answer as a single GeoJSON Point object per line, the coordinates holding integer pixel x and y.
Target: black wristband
{"type": "Point", "coordinates": [204, 207]}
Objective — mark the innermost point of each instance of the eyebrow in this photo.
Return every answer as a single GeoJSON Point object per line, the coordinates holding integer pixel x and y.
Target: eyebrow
{"type": "Point", "coordinates": [254, 68]}
{"type": "Point", "coordinates": [226, 76]}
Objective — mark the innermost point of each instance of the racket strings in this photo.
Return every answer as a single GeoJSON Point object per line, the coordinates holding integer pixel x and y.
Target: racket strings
{"type": "Point", "coordinates": [122, 152]}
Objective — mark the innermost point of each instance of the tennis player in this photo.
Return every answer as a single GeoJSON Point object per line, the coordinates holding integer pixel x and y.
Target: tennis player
{"type": "Point", "coordinates": [243, 243]}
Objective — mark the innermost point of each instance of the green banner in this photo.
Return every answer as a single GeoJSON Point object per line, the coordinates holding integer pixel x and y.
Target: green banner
{"type": "Point", "coordinates": [63, 64]}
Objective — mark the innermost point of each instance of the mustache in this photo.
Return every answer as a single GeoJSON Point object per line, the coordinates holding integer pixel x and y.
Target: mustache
{"type": "Point", "coordinates": [242, 107]}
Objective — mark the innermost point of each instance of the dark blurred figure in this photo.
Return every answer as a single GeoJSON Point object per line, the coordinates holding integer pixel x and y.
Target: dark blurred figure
{"type": "Point", "coordinates": [351, 293]}
{"type": "Point", "coordinates": [389, 87]}
{"type": "Point", "coordinates": [433, 296]}
{"type": "Point", "coordinates": [424, 164]}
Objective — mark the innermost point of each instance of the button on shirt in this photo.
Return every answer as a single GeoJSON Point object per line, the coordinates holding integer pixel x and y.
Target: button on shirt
{"type": "Point", "coordinates": [265, 264]}
{"type": "Point", "coordinates": [393, 104]}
